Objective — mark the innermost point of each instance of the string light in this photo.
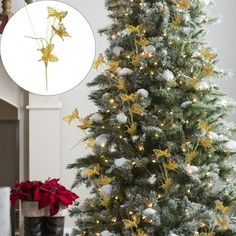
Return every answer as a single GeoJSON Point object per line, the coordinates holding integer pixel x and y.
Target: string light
{"type": "Point", "coordinates": [210, 184]}
{"type": "Point", "coordinates": [111, 100]}
{"type": "Point", "coordinates": [97, 221]}
{"type": "Point", "coordinates": [150, 205]}
{"type": "Point", "coordinates": [116, 197]}
{"type": "Point", "coordinates": [114, 220]}
{"type": "Point", "coordinates": [186, 212]}
{"type": "Point", "coordinates": [141, 147]}
{"type": "Point", "coordinates": [103, 145]}
{"type": "Point", "coordinates": [189, 191]}
{"type": "Point", "coordinates": [131, 212]}
{"type": "Point", "coordinates": [154, 161]}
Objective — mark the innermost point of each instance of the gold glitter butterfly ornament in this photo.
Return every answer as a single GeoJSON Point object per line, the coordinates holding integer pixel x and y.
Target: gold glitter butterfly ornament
{"type": "Point", "coordinates": [47, 46]}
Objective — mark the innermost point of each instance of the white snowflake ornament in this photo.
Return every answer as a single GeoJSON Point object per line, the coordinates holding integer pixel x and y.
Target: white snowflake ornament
{"type": "Point", "coordinates": [97, 118]}
{"type": "Point", "coordinates": [106, 233]}
{"type": "Point", "coordinates": [191, 170]}
{"type": "Point", "coordinates": [125, 71]}
{"type": "Point", "coordinates": [201, 86]}
{"type": "Point", "coordinates": [117, 50]}
{"type": "Point", "coordinates": [149, 212]}
{"type": "Point", "coordinates": [149, 49]}
{"type": "Point", "coordinates": [186, 104]}
{"type": "Point", "coordinates": [102, 140]}
{"type": "Point", "coordinates": [121, 162]}
{"type": "Point", "coordinates": [152, 179]}
{"type": "Point", "coordinates": [167, 75]}
{"type": "Point", "coordinates": [143, 92]}
{"type": "Point", "coordinates": [164, 52]}
{"type": "Point", "coordinates": [121, 118]}
{"type": "Point", "coordinates": [106, 189]}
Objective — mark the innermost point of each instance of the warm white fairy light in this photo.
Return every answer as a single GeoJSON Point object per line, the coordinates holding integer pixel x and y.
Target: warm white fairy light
{"type": "Point", "coordinates": [210, 184]}
{"type": "Point", "coordinates": [111, 100]}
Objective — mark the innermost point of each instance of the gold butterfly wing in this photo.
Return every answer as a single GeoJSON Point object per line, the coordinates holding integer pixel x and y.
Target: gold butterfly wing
{"type": "Point", "coordinates": [72, 117]}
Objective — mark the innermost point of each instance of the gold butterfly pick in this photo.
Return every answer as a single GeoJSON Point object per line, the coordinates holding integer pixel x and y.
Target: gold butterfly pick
{"type": "Point", "coordinates": [72, 117]}
{"type": "Point", "coordinates": [57, 14]}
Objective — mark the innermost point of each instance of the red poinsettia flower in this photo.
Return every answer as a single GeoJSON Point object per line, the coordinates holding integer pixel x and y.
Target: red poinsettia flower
{"type": "Point", "coordinates": [24, 191]}
{"type": "Point", "coordinates": [48, 194]}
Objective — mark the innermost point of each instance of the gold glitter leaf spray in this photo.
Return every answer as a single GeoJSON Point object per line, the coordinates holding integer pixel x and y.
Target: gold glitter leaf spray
{"type": "Point", "coordinates": [57, 29]}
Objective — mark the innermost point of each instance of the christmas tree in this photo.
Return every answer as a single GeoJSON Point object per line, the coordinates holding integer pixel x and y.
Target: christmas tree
{"type": "Point", "coordinates": [160, 148]}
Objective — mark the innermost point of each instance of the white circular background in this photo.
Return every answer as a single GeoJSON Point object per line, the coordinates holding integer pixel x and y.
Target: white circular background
{"type": "Point", "coordinates": [20, 55]}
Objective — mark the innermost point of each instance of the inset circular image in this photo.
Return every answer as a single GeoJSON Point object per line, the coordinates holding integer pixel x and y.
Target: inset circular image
{"type": "Point", "coordinates": [47, 47]}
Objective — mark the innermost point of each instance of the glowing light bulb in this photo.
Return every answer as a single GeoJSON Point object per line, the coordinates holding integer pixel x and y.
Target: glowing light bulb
{"type": "Point", "coordinates": [111, 100]}
{"type": "Point", "coordinates": [141, 147]}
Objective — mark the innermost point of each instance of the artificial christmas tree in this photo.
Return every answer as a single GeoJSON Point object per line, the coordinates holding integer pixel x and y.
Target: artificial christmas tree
{"type": "Point", "coordinates": [160, 162]}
